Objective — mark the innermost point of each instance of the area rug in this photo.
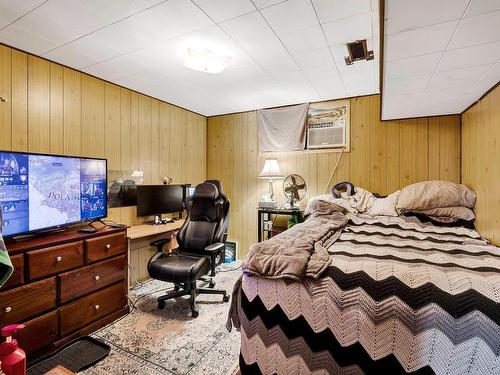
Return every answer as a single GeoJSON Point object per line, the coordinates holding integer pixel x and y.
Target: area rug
{"type": "Point", "coordinates": [169, 341]}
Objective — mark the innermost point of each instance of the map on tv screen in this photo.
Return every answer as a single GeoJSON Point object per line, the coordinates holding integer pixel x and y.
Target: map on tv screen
{"type": "Point", "coordinates": [43, 191]}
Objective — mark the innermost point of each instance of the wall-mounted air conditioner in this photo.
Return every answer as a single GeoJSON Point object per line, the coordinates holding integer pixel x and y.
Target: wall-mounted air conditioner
{"type": "Point", "coordinates": [327, 128]}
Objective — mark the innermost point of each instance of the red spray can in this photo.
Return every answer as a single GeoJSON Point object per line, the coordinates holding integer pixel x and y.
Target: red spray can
{"type": "Point", "coordinates": [12, 357]}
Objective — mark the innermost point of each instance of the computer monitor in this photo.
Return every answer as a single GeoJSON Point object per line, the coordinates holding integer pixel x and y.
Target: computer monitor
{"type": "Point", "coordinates": [190, 191]}
{"type": "Point", "coordinates": [159, 199]}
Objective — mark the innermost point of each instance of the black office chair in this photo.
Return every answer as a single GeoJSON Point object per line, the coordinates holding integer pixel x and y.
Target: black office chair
{"type": "Point", "coordinates": [201, 249]}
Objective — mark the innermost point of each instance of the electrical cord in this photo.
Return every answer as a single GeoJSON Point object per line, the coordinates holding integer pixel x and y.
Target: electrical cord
{"type": "Point", "coordinates": [229, 270]}
{"type": "Point", "coordinates": [107, 223]}
{"type": "Point", "coordinates": [272, 223]}
{"type": "Point", "coordinates": [138, 284]}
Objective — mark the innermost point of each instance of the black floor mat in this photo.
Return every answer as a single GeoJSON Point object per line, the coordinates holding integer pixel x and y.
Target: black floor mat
{"type": "Point", "coordinates": [76, 356]}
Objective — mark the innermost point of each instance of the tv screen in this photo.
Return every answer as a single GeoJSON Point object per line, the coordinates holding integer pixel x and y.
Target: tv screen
{"type": "Point", "coordinates": [45, 191]}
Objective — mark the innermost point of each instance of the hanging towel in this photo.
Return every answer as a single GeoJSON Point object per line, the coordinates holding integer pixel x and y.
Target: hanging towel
{"type": "Point", "coordinates": [282, 129]}
{"type": "Point", "coordinates": [6, 268]}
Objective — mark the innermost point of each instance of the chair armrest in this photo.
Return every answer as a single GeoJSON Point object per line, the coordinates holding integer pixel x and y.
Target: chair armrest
{"type": "Point", "coordinates": [215, 247]}
{"type": "Point", "coordinates": [160, 243]}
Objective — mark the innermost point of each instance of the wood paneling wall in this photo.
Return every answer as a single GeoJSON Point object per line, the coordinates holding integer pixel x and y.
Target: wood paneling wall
{"type": "Point", "coordinates": [481, 161]}
{"type": "Point", "coordinates": [384, 156]}
{"type": "Point", "coordinates": [49, 108]}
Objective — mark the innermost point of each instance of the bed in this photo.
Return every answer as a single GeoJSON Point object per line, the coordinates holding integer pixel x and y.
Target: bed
{"type": "Point", "coordinates": [397, 297]}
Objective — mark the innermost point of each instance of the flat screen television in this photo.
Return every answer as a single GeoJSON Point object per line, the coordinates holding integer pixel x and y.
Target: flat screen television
{"type": "Point", "coordinates": [40, 192]}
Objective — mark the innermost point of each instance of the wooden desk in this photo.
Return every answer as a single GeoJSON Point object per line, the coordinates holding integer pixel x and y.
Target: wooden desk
{"type": "Point", "coordinates": [139, 238]}
{"type": "Point", "coordinates": [147, 230]}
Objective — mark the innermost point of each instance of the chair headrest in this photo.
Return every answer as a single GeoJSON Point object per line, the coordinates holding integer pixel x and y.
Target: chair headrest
{"type": "Point", "coordinates": [218, 185]}
{"type": "Point", "coordinates": [206, 191]}
{"type": "Point", "coordinates": [205, 203]}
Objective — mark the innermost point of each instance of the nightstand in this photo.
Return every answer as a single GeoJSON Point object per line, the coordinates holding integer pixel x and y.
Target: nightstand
{"type": "Point", "coordinates": [267, 215]}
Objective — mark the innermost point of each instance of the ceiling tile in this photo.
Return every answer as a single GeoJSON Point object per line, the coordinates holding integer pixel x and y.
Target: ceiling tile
{"type": "Point", "coordinates": [406, 83]}
{"type": "Point", "coordinates": [457, 91]}
{"type": "Point", "coordinates": [482, 6]}
{"type": "Point", "coordinates": [331, 10]}
{"type": "Point", "coordinates": [459, 77]}
{"type": "Point", "coordinates": [25, 40]}
{"type": "Point", "coordinates": [418, 42]}
{"type": "Point", "coordinates": [12, 10]}
{"type": "Point", "coordinates": [299, 15]}
{"type": "Point", "coordinates": [121, 36]}
{"type": "Point", "coordinates": [162, 22]}
{"type": "Point", "coordinates": [403, 15]}
{"type": "Point", "coordinates": [413, 66]}
{"type": "Point", "coordinates": [59, 21]}
{"type": "Point", "coordinates": [313, 59]}
{"type": "Point", "coordinates": [326, 80]}
{"type": "Point", "coordinates": [82, 52]}
{"type": "Point", "coordinates": [349, 29]}
{"type": "Point", "coordinates": [470, 56]}
{"type": "Point", "coordinates": [304, 40]}
{"type": "Point", "coordinates": [357, 78]}
{"type": "Point", "coordinates": [222, 10]}
{"type": "Point", "coordinates": [253, 34]}
{"type": "Point", "coordinates": [490, 79]}
{"type": "Point", "coordinates": [298, 86]}
{"type": "Point", "coordinates": [476, 30]}
{"type": "Point", "coordinates": [115, 68]}
{"type": "Point", "coordinates": [375, 24]}
{"type": "Point", "coordinates": [267, 3]}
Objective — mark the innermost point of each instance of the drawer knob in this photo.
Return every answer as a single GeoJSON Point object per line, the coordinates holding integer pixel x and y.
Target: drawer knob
{"type": "Point", "coordinates": [97, 307]}
{"type": "Point", "coordinates": [108, 246]}
{"type": "Point", "coordinates": [96, 277]}
{"type": "Point", "coordinates": [3, 99]}
{"type": "Point", "coordinates": [59, 258]}
{"type": "Point", "coordinates": [8, 309]}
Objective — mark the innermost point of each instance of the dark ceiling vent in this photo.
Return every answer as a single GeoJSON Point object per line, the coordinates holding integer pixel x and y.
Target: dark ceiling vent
{"type": "Point", "coordinates": [358, 51]}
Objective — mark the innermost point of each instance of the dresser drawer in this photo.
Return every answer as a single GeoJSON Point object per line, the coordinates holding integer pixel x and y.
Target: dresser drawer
{"type": "Point", "coordinates": [76, 283]}
{"type": "Point", "coordinates": [91, 308]}
{"type": "Point", "coordinates": [38, 333]}
{"type": "Point", "coordinates": [52, 260]}
{"type": "Point", "coordinates": [17, 277]}
{"type": "Point", "coordinates": [21, 303]}
{"type": "Point", "coordinates": [105, 246]}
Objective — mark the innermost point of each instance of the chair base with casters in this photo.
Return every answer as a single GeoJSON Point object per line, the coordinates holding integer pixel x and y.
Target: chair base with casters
{"type": "Point", "coordinates": [188, 273]}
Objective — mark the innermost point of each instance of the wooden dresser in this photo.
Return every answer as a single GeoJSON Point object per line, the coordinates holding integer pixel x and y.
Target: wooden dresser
{"type": "Point", "coordinates": [65, 285]}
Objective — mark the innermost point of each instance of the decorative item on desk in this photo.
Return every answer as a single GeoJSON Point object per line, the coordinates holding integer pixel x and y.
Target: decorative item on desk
{"type": "Point", "coordinates": [271, 170]}
{"type": "Point", "coordinates": [295, 189]}
{"type": "Point", "coordinates": [167, 180]}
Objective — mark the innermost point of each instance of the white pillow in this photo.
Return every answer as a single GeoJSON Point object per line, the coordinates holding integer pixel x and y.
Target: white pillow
{"type": "Point", "coordinates": [385, 206]}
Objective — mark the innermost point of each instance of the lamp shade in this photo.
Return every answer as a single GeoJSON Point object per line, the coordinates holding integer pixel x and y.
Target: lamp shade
{"type": "Point", "coordinates": [271, 169]}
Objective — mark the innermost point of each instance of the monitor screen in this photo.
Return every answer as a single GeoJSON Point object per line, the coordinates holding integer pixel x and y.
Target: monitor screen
{"type": "Point", "coordinates": [45, 191]}
{"type": "Point", "coordinates": [159, 199]}
{"type": "Point", "coordinates": [190, 191]}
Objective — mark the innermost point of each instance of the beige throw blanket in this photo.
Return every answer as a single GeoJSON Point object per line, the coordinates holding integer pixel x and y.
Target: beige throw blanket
{"type": "Point", "coordinates": [295, 254]}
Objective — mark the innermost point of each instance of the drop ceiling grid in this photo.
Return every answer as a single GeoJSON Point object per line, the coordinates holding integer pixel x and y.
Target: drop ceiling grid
{"type": "Point", "coordinates": [95, 43]}
{"type": "Point", "coordinates": [438, 62]}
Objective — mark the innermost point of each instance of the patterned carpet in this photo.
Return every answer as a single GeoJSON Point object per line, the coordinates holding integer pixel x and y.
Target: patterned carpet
{"type": "Point", "coordinates": [153, 342]}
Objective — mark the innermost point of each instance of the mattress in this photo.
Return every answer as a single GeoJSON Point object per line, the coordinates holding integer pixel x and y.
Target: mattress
{"type": "Point", "coordinates": [399, 297]}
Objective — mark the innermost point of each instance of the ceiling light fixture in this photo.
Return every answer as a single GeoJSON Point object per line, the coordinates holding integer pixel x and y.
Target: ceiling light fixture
{"type": "Point", "coordinates": [206, 61]}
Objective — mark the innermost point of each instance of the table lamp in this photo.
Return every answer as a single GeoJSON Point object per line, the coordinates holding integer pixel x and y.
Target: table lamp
{"type": "Point", "coordinates": [271, 170]}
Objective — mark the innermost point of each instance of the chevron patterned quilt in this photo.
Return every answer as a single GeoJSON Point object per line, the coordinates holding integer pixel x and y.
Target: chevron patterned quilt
{"type": "Point", "coordinates": [399, 297]}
